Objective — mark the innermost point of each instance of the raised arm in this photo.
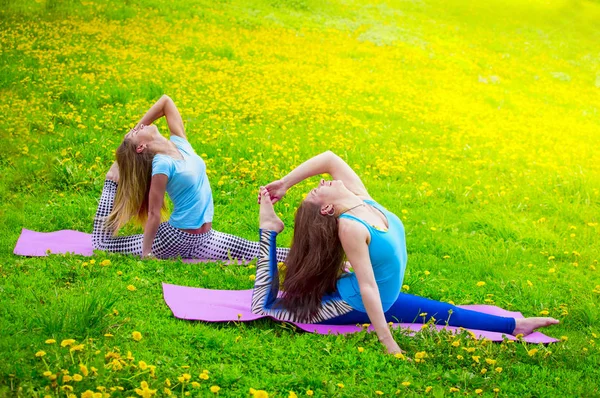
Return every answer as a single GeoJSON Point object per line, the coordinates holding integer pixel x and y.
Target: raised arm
{"type": "Point", "coordinates": [167, 108]}
{"type": "Point", "coordinates": [354, 238]}
{"type": "Point", "coordinates": [326, 162]}
{"type": "Point", "coordinates": [158, 186]}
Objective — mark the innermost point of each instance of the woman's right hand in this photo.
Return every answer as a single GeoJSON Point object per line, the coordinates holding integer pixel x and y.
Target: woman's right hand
{"type": "Point", "coordinates": [277, 190]}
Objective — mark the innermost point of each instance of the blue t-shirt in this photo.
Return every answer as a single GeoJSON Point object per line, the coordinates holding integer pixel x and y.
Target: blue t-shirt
{"type": "Point", "coordinates": [387, 251]}
{"type": "Point", "coordinates": [187, 186]}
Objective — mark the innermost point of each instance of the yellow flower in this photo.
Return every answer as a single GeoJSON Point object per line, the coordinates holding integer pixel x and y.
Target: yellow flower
{"type": "Point", "coordinates": [428, 388]}
{"type": "Point", "coordinates": [50, 341]}
{"type": "Point", "coordinates": [532, 352]}
{"type": "Point", "coordinates": [399, 355]}
{"type": "Point", "coordinates": [564, 338]}
{"type": "Point", "coordinates": [310, 393]}
{"type": "Point", "coordinates": [143, 365]}
{"type": "Point", "coordinates": [67, 342]}
{"type": "Point", "coordinates": [478, 391]}
{"type": "Point", "coordinates": [131, 288]}
{"type": "Point", "coordinates": [379, 392]}
{"type": "Point", "coordinates": [261, 394]}
{"type": "Point", "coordinates": [104, 263]}
{"type": "Point", "coordinates": [77, 347]}
{"type": "Point", "coordinates": [455, 343]}
{"type": "Point", "coordinates": [340, 385]}
{"type": "Point", "coordinates": [87, 394]}
{"type": "Point", "coordinates": [83, 369]}
{"type": "Point", "coordinates": [292, 395]}
{"type": "Point", "coordinates": [454, 389]}
{"type": "Point", "coordinates": [40, 354]}
{"type": "Point", "coordinates": [480, 283]}
{"type": "Point", "coordinates": [459, 357]}
{"type": "Point", "coordinates": [496, 390]}
{"type": "Point", "coordinates": [252, 277]}
{"type": "Point", "coordinates": [47, 373]}
{"type": "Point", "coordinates": [406, 383]}
{"type": "Point", "coordinates": [427, 273]}
{"type": "Point", "coordinates": [204, 376]}
{"type": "Point", "coordinates": [483, 371]}
{"type": "Point", "coordinates": [137, 336]}
{"type": "Point", "coordinates": [119, 273]}
{"type": "Point", "coordinates": [145, 391]}
{"type": "Point", "coordinates": [167, 391]}
{"type": "Point", "coordinates": [66, 378]}
{"type": "Point", "coordinates": [406, 287]}
{"type": "Point", "coordinates": [475, 358]}
{"type": "Point", "coordinates": [498, 369]}
{"type": "Point", "coordinates": [195, 384]}
{"type": "Point", "coordinates": [360, 349]}
{"type": "Point", "coordinates": [215, 389]}
{"type": "Point", "coordinates": [544, 312]}
{"type": "Point", "coordinates": [490, 361]}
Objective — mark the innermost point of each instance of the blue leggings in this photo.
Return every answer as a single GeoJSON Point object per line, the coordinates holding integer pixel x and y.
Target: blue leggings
{"type": "Point", "coordinates": [335, 311]}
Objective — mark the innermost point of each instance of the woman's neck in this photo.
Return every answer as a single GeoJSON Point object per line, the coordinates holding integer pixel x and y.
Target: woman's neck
{"type": "Point", "coordinates": [160, 145]}
{"type": "Point", "coordinates": [348, 201]}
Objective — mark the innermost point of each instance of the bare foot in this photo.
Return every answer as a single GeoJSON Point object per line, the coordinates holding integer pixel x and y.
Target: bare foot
{"type": "Point", "coordinates": [268, 220]}
{"type": "Point", "coordinates": [526, 326]}
{"type": "Point", "coordinates": [113, 173]}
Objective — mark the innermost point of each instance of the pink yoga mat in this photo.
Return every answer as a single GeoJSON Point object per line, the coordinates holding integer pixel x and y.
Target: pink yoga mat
{"type": "Point", "coordinates": [37, 244]}
{"type": "Point", "coordinates": [208, 305]}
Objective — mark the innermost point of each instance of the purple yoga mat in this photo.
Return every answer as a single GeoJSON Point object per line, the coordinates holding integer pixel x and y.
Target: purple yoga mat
{"type": "Point", "coordinates": [208, 305]}
{"type": "Point", "coordinates": [37, 244]}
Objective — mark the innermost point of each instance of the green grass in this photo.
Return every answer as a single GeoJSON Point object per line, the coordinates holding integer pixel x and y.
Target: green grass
{"type": "Point", "coordinates": [476, 122]}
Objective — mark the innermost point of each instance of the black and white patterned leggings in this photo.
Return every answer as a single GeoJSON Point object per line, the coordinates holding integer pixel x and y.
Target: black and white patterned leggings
{"type": "Point", "coordinates": [170, 241]}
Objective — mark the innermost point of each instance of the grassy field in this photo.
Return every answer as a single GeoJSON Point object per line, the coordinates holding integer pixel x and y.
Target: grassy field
{"type": "Point", "coordinates": [476, 121]}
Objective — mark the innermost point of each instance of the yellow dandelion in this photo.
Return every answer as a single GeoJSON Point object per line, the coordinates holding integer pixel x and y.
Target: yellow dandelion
{"type": "Point", "coordinates": [50, 341]}
{"type": "Point", "coordinates": [454, 389]}
{"type": "Point", "coordinates": [104, 263]}
{"type": "Point", "coordinates": [261, 394]}
{"type": "Point", "coordinates": [131, 288]}
{"type": "Point", "coordinates": [67, 342]}
{"type": "Point", "coordinates": [83, 369]}
{"type": "Point", "coordinates": [40, 354]}
{"type": "Point", "coordinates": [483, 371]}
{"type": "Point", "coordinates": [379, 392]}
{"type": "Point", "coordinates": [478, 391]}
{"type": "Point", "coordinates": [490, 361]}
{"type": "Point", "coordinates": [252, 277]}
{"type": "Point", "coordinates": [292, 395]}
{"type": "Point", "coordinates": [47, 373]}
{"type": "Point", "coordinates": [406, 383]}
{"type": "Point", "coordinates": [428, 389]}
{"type": "Point", "coordinates": [340, 385]}
{"type": "Point", "coordinates": [204, 376]}
{"type": "Point", "coordinates": [498, 369]}
{"type": "Point", "coordinates": [480, 283]}
{"type": "Point", "coordinates": [137, 336]}
{"type": "Point", "coordinates": [360, 349]}
{"type": "Point", "coordinates": [532, 352]}
{"type": "Point", "coordinates": [77, 377]}
{"type": "Point", "coordinates": [544, 312]}
{"type": "Point", "coordinates": [215, 389]}
{"type": "Point", "coordinates": [310, 393]}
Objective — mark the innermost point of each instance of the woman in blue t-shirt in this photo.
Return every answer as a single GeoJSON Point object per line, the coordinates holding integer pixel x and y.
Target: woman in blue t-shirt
{"type": "Point", "coordinates": [147, 166]}
{"type": "Point", "coordinates": [339, 217]}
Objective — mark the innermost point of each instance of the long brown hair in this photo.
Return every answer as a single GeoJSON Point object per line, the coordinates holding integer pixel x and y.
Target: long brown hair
{"type": "Point", "coordinates": [135, 175]}
{"type": "Point", "coordinates": [314, 262]}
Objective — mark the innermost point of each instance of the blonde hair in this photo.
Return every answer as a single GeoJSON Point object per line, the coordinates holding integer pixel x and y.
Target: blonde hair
{"type": "Point", "coordinates": [132, 199]}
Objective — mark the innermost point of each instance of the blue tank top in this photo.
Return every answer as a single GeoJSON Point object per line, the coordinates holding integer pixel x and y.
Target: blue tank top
{"type": "Point", "coordinates": [387, 251]}
{"type": "Point", "coordinates": [187, 186]}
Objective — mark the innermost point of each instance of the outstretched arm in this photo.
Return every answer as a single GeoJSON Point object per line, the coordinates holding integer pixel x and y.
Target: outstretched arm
{"type": "Point", "coordinates": [326, 162]}
{"type": "Point", "coordinates": [167, 108]}
{"type": "Point", "coordinates": [354, 238]}
{"type": "Point", "coordinates": [158, 186]}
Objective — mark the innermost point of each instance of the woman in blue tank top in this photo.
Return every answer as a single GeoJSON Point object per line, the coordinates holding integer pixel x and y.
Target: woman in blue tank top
{"type": "Point", "coordinates": [339, 217]}
{"type": "Point", "coordinates": [147, 166]}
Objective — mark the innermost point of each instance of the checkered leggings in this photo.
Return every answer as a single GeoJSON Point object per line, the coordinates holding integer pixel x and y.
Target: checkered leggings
{"type": "Point", "coordinates": [170, 241]}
